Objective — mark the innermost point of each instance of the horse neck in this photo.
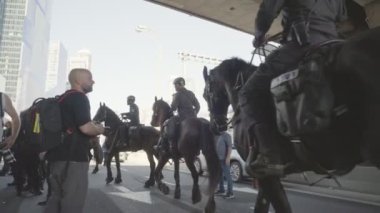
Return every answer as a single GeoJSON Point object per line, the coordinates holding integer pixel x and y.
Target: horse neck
{"type": "Point", "coordinates": [230, 84]}
{"type": "Point", "coordinates": [113, 119]}
{"type": "Point", "coordinates": [164, 118]}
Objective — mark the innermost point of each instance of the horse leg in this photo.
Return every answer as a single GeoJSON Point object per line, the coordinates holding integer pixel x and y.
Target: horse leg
{"type": "Point", "coordinates": [196, 194]}
{"type": "Point", "coordinates": [118, 176]}
{"type": "Point", "coordinates": [275, 193]}
{"type": "Point", "coordinates": [109, 178]}
{"type": "Point", "coordinates": [150, 181]}
{"type": "Point", "coordinates": [262, 204]}
{"type": "Point", "coordinates": [158, 174]}
{"type": "Point", "coordinates": [177, 192]}
{"type": "Point", "coordinates": [96, 169]}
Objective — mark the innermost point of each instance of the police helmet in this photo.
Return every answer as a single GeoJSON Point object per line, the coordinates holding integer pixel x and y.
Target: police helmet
{"type": "Point", "coordinates": [131, 98]}
{"type": "Point", "coordinates": [180, 81]}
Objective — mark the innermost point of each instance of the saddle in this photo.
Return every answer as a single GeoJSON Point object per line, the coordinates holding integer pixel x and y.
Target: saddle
{"type": "Point", "coordinates": [303, 98]}
{"type": "Point", "coordinates": [170, 132]}
{"type": "Point", "coordinates": [129, 137]}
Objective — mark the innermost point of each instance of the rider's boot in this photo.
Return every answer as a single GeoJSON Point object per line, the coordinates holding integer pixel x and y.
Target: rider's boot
{"type": "Point", "coordinates": [268, 162]}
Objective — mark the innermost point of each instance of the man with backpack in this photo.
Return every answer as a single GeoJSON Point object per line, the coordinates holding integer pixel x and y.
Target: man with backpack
{"type": "Point", "coordinates": [69, 161]}
{"type": "Point", "coordinates": [305, 23]}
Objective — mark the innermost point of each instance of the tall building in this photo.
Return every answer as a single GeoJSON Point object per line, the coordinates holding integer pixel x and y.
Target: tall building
{"type": "Point", "coordinates": [56, 76]}
{"type": "Point", "coordinates": [82, 59]}
{"type": "Point", "coordinates": [2, 83]}
{"type": "Point", "coordinates": [25, 29]}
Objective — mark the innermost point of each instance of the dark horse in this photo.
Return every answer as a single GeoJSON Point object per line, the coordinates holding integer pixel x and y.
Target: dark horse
{"type": "Point", "coordinates": [194, 135]}
{"type": "Point", "coordinates": [352, 68]}
{"type": "Point", "coordinates": [145, 140]}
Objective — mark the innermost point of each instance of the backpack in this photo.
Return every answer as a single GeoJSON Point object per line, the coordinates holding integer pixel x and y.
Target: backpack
{"type": "Point", "coordinates": [46, 122]}
{"type": "Point", "coordinates": [303, 100]}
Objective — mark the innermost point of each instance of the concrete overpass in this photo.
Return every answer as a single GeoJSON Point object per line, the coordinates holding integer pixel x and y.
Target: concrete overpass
{"type": "Point", "coordinates": [240, 14]}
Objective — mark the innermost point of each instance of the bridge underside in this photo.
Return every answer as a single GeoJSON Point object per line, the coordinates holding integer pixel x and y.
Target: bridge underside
{"type": "Point", "coordinates": [240, 14]}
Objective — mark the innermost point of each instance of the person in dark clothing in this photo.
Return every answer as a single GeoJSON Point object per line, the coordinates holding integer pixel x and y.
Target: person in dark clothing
{"type": "Point", "coordinates": [134, 121]}
{"type": "Point", "coordinates": [133, 114]}
{"type": "Point", "coordinates": [184, 101]}
{"type": "Point", "coordinates": [305, 23]}
{"type": "Point", "coordinates": [69, 161]}
{"type": "Point", "coordinates": [186, 105]}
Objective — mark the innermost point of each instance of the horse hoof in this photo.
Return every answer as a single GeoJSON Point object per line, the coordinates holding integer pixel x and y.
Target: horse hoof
{"type": "Point", "coordinates": [148, 184]}
{"type": "Point", "coordinates": [95, 171]}
{"type": "Point", "coordinates": [177, 194]}
{"type": "Point", "coordinates": [109, 180]}
{"type": "Point", "coordinates": [118, 180]}
{"type": "Point", "coordinates": [164, 188]}
{"type": "Point", "coordinates": [42, 203]}
{"type": "Point", "coordinates": [210, 207]}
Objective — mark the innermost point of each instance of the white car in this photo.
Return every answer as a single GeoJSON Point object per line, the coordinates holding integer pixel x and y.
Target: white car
{"type": "Point", "coordinates": [237, 165]}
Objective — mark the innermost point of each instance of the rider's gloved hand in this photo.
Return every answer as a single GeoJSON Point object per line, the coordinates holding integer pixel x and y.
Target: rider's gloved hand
{"type": "Point", "coordinates": [259, 39]}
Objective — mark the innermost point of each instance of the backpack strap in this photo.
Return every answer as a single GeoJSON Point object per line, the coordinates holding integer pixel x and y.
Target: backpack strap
{"type": "Point", "coordinates": [67, 93]}
{"type": "Point", "coordinates": [1, 105]}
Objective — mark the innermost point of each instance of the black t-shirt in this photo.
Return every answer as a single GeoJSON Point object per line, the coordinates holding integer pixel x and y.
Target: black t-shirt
{"type": "Point", "coordinates": [75, 110]}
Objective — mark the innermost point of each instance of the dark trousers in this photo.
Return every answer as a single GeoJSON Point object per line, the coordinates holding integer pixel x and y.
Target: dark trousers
{"type": "Point", "coordinates": [255, 98]}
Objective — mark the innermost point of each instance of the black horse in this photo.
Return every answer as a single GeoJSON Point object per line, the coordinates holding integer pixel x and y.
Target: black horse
{"type": "Point", "coordinates": [146, 139]}
{"type": "Point", "coordinates": [194, 135]}
{"type": "Point", "coordinates": [352, 70]}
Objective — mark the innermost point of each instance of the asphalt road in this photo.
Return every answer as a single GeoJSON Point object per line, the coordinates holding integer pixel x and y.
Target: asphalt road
{"type": "Point", "coordinates": [130, 196]}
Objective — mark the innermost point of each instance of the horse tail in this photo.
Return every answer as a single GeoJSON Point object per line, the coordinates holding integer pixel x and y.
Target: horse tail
{"type": "Point", "coordinates": [212, 160]}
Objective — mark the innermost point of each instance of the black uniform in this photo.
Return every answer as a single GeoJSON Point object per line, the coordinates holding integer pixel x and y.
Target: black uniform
{"type": "Point", "coordinates": [186, 103]}
{"type": "Point", "coordinates": [254, 98]}
{"type": "Point", "coordinates": [133, 115]}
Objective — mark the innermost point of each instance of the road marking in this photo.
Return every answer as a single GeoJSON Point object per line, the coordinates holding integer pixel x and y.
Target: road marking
{"type": "Point", "coordinates": [143, 197]}
{"type": "Point", "coordinates": [246, 190]}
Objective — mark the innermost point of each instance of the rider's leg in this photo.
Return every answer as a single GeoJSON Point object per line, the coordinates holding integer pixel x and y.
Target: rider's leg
{"type": "Point", "coordinates": [255, 101]}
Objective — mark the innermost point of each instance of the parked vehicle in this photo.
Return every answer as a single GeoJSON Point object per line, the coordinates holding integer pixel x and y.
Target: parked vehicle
{"type": "Point", "coordinates": [237, 165]}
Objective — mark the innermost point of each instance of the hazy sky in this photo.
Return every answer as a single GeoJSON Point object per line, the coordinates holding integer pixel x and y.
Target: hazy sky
{"type": "Point", "coordinates": [126, 62]}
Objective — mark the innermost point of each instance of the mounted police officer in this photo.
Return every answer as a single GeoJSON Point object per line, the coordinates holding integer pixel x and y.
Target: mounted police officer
{"type": "Point", "coordinates": [305, 23]}
{"type": "Point", "coordinates": [134, 121]}
{"type": "Point", "coordinates": [133, 114]}
{"type": "Point", "coordinates": [187, 106]}
{"type": "Point", "coordinates": [184, 101]}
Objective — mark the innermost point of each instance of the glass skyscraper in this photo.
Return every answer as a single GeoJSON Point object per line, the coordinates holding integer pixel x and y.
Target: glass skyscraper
{"type": "Point", "coordinates": [24, 43]}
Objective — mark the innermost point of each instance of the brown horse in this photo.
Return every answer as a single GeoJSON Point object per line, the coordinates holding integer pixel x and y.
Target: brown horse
{"type": "Point", "coordinates": [194, 135]}
{"type": "Point", "coordinates": [352, 70]}
{"type": "Point", "coordinates": [146, 139]}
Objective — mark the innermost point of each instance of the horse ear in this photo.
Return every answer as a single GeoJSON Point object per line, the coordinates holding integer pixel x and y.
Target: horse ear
{"type": "Point", "coordinates": [155, 98]}
{"type": "Point", "coordinates": [100, 104]}
{"type": "Point", "coordinates": [161, 99]}
{"type": "Point", "coordinates": [205, 75]}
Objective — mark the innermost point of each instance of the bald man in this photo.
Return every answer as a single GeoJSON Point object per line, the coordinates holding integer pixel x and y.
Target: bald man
{"type": "Point", "coordinates": [69, 161]}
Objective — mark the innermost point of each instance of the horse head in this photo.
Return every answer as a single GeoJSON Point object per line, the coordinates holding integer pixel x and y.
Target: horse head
{"type": "Point", "coordinates": [222, 85]}
{"type": "Point", "coordinates": [106, 115]}
{"type": "Point", "coordinates": [216, 97]}
{"type": "Point", "coordinates": [161, 112]}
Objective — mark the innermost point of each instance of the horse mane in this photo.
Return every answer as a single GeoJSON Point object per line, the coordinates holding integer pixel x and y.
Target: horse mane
{"type": "Point", "coordinates": [230, 68]}
{"type": "Point", "coordinates": [164, 104]}
{"type": "Point", "coordinates": [111, 113]}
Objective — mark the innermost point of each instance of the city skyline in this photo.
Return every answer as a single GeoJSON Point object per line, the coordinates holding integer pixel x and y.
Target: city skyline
{"type": "Point", "coordinates": [24, 43]}
{"type": "Point", "coordinates": [56, 76]}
